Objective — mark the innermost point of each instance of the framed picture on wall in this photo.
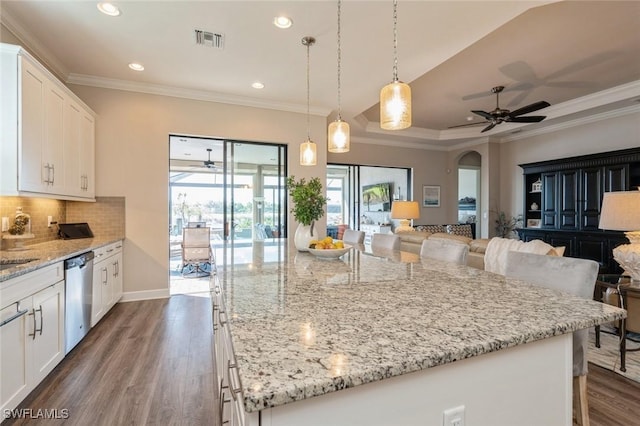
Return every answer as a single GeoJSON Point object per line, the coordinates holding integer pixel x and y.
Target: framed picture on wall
{"type": "Point", "coordinates": [430, 195]}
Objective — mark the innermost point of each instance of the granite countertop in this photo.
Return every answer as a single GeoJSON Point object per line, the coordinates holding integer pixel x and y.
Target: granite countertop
{"type": "Point", "coordinates": [45, 254]}
{"type": "Point", "coordinates": [303, 327]}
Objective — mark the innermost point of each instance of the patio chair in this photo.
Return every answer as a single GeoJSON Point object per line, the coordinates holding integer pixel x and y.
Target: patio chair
{"type": "Point", "coordinates": [196, 251]}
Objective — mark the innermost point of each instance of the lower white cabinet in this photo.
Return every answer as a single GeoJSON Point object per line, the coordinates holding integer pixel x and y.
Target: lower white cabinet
{"type": "Point", "coordinates": [107, 280]}
{"type": "Point", "coordinates": [231, 407]}
{"type": "Point", "coordinates": [32, 332]}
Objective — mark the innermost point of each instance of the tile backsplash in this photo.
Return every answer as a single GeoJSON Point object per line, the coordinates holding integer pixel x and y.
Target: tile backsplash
{"type": "Point", "coordinates": [38, 209]}
{"type": "Point", "coordinates": [105, 216]}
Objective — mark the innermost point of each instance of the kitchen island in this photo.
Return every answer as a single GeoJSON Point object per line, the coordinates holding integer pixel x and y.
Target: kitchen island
{"type": "Point", "coordinates": [389, 338]}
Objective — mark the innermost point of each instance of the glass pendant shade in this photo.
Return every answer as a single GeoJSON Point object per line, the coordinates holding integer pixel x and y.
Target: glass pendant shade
{"type": "Point", "coordinates": [395, 106]}
{"type": "Point", "coordinates": [338, 135]}
{"type": "Point", "coordinates": [308, 155]}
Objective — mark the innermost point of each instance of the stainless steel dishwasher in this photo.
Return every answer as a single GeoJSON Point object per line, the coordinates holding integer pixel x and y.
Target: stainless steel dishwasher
{"type": "Point", "coordinates": [78, 275]}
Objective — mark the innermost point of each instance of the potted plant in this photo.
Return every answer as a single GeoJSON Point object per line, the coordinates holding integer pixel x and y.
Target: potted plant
{"type": "Point", "coordinates": [308, 206]}
{"type": "Point", "coordinates": [506, 225]}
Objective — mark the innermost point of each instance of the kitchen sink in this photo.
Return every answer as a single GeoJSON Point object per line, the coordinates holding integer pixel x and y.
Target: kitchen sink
{"type": "Point", "coordinates": [10, 263]}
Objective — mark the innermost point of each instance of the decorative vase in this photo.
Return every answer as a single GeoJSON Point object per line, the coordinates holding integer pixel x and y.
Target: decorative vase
{"type": "Point", "coordinates": [534, 206]}
{"type": "Point", "coordinates": [303, 236]}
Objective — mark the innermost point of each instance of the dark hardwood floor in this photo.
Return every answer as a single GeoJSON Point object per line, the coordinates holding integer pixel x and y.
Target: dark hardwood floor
{"type": "Point", "coordinates": [147, 362]}
{"type": "Point", "coordinates": [614, 400]}
{"type": "Point", "coordinates": [151, 363]}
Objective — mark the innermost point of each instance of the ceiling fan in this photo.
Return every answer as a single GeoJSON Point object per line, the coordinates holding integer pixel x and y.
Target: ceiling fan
{"type": "Point", "coordinates": [499, 115]}
{"type": "Point", "coordinates": [208, 163]}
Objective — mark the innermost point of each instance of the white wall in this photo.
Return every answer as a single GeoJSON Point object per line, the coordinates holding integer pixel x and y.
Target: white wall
{"type": "Point", "coordinates": [132, 160]}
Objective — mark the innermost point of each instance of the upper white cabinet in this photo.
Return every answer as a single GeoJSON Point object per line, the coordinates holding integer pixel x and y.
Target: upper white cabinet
{"type": "Point", "coordinates": [79, 151]}
{"type": "Point", "coordinates": [48, 133]}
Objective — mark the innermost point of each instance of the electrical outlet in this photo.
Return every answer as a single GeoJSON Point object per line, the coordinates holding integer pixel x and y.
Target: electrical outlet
{"type": "Point", "coordinates": [453, 416]}
{"type": "Point", "coordinates": [5, 224]}
{"type": "Point", "coordinates": [49, 220]}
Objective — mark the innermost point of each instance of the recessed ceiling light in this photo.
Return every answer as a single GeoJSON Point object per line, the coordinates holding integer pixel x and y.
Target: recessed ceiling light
{"type": "Point", "coordinates": [136, 67]}
{"type": "Point", "coordinates": [470, 118]}
{"type": "Point", "coordinates": [282, 22]}
{"type": "Point", "coordinates": [257, 85]}
{"type": "Point", "coordinates": [108, 9]}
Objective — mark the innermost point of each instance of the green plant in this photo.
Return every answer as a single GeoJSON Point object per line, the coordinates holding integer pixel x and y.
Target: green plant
{"type": "Point", "coordinates": [308, 201]}
{"type": "Point", "coordinates": [506, 225]}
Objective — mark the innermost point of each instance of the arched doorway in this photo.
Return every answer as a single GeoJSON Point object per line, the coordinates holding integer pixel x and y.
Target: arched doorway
{"type": "Point", "coordinates": [469, 189]}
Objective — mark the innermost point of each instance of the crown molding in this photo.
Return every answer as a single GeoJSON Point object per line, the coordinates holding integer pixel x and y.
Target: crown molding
{"type": "Point", "coordinates": [27, 41]}
{"type": "Point", "coordinates": [631, 109]}
{"type": "Point", "coordinates": [199, 95]}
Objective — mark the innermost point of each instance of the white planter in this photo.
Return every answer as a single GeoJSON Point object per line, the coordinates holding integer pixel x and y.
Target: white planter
{"type": "Point", "coordinates": [303, 237]}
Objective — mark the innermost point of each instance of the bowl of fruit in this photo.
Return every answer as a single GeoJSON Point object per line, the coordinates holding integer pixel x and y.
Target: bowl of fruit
{"type": "Point", "coordinates": [328, 248]}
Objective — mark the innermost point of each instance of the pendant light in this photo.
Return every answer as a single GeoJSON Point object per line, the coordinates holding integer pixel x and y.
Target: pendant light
{"type": "Point", "coordinates": [338, 133]}
{"type": "Point", "coordinates": [308, 156]}
{"type": "Point", "coordinates": [395, 97]}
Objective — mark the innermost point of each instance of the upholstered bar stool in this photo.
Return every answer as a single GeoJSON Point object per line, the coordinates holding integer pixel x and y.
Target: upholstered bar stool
{"type": "Point", "coordinates": [385, 241]}
{"type": "Point", "coordinates": [351, 236]}
{"type": "Point", "coordinates": [446, 251]}
{"type": "Point", "coordinates": [573, 276]}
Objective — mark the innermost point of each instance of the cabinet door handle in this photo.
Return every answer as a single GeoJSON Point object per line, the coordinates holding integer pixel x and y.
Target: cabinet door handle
{"type": "Point", "coordinates": [46, 179]}
{"type": "Point", "coordinates": [223, 402]}
{"type": "Point", "coordinates": [17, 315]}
{"type": "Point", "coordinates": [53, 174]}
{"type": "Point", "coordinates": [106, 276]}
{"type": "Point", "coordinates": [234, 375]}
{"type": "Point", "coordinates": [35, 327]}
{"type": "Point", "coordinates": [109, 251]}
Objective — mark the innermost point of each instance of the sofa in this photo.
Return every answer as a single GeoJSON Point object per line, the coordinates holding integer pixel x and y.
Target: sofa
{"type": "Point", "coordinates": [411, 241]}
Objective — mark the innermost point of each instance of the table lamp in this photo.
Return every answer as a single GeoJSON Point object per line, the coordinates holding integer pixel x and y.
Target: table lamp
{"type": "Point", "coordinates": [621, 212]}
{"type": "Point", "coordinates": [405, 211]}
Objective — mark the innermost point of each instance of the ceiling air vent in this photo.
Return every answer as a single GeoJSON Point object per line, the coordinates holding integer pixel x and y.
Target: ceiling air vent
{"type": "Point", "coordinates": [207, 38]}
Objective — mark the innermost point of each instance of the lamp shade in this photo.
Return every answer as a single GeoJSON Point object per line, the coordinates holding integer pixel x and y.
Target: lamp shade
{"type": "Point", "coordinates": [405, 210]}
{"type": "Point", "coordinates": [338, 136]}
{"type": "Point", "coordinates": [620, 211]}
{"type": "Point", "coordinates": [308, 156]}
{"type": "Point", "coordinates": [395, 106]}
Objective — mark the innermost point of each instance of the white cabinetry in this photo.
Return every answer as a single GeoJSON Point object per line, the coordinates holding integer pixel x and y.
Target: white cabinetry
{"type": "Point", "coordinates": [32, 331]}
{"type": "Point", "coordinates": [369, 230]}
{"type": "Point", "coordinates": [48, 133]}
{"type": "Point", "coordinates": [107, 280]}
{"type": "Point", "coordinates": [79, 151]}
{"type": "Point", "coordinates": [231, 407]}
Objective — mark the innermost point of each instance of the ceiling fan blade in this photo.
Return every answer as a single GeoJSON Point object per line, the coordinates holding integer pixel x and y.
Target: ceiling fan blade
{"type": "Point", "coordinates": [529, 108]}
{"type": "Point", "coordinates": [528, 119]}
{"type": "Point", "coordinates": [489, 127]}
{"type": "Point", "coordinates": [466, 125]}
{"type": "Point", "coordinates": [483, 114]}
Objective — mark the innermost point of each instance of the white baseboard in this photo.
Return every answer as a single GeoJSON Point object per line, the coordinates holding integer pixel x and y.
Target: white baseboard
{"type": "Point", "coordinates": [133, 296]}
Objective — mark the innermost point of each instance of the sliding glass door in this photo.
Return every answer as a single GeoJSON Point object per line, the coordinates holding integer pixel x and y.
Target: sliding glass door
{"type": "Point", "coordinates": [255, 196]}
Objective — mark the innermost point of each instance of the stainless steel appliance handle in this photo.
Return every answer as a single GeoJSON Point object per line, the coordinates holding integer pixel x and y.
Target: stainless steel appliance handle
{"type": "Point", "coordinates": [15, 316]}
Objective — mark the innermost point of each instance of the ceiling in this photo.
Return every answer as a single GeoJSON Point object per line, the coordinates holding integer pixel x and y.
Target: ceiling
{"type": "Point", "coordinates": [583, 57]}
